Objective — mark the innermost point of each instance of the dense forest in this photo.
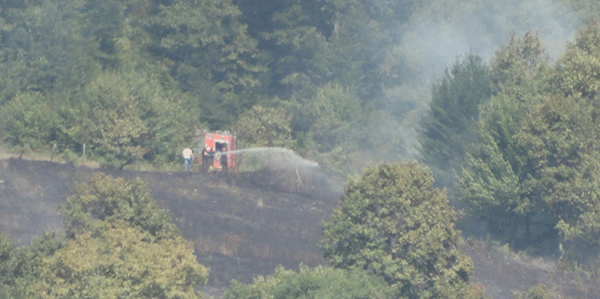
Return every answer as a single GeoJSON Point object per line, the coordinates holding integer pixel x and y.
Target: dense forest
{"type": "Point", "coordinates": [436, 112]}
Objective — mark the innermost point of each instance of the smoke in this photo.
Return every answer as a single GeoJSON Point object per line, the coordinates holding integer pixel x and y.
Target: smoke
{"type": "Point", "coordinates": [435, 39]}
{"type": "Point", "coordinates": [276, 157]}
{"type": "Point", "coordinates": [482, 28]}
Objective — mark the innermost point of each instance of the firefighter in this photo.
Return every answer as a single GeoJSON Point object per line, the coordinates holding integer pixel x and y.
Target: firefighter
{"type": "Point", "coordinates": [211, 158]}
{"type": "Point", "coordinates": [205, 158]}
{"type": "Point", "coordinates": [187, 159]}
{"type": "Point", "coordinates": [224, 161]}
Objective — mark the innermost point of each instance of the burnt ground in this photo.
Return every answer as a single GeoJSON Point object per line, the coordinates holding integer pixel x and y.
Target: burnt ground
{"type": "Point", "coordinates": [244, 225]}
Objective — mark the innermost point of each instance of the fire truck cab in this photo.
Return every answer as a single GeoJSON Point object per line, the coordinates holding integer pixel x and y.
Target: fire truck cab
{"type": "Point", "coordinates": [221, 143]}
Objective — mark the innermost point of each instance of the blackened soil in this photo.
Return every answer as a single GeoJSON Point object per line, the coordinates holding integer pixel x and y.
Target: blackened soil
{"type": "Point", "coordinates": [242, 225]}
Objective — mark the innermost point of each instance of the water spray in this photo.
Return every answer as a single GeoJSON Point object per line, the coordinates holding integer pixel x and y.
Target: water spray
{"type": "Point", "coordinates": [291, 155]}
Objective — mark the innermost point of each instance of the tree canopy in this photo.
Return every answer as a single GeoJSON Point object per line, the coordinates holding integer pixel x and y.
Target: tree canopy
{"type": "Point", "coordinates": [160, 70]}
{"type": "Point", "coordinates": [118, 244]}
{"type": "Point", "coordinates": [119, 263]}
{"type": "Point", "coordinates": [532, 174]}
{"type": "Point", "coordinates": [451, 123]}
{"type": "Point", "coordinates": [106, 200]}
{"type": "Point", "coordinates": [395, 224]}
{"type": "Point", "coordinates": [318, 282]}
{"type": "Point", "coordinates": [128, 83]}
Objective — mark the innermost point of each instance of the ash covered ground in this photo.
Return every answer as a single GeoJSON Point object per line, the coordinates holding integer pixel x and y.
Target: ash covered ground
{"type": "Point", "coordinates": [242, 224]}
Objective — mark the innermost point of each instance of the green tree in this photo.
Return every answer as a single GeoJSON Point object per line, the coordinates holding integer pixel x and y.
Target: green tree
{"type": "Point", "coordinates": [556, 147]}
{"type": "Point", "coordinates": [335, 111]}
{"type": "Point", "coordinates": [20, 267]}
{"type": "Point", "coordinates": [490, 183]}
{"type": "Point", "coordinates": [51, 80]}
{"type": "Point", "coordinates": [25, 121]}
{"type": "Point", "coordinates": [120, 245]}
{"type": "Point", "coordinates": [121, 263]}
{"type": "Point", "coordinates": [264, 126]}
{"type": "Point", "coordinates": [209, 54]}
{"type": "Point", "coordinates": [395, 224]}
{"type": "Point", "coordinates": [319, 282]}
{"type": "Point", "coordinates": [293, 40]}
{"type": "Point", "coordinates": [450, 125]}
{"type": "Point", "coordinates": [46, 60]}
{"type": "Point", "coordinates": [109, 22]}
{"type": "Point", "coordinates": [568, 163]}
{"type": "Point", "coordinates": [325, 127]}
{"type": "Point", "coordinates": [112, 126]}
{"type": "Point", "coordinates": [320, 42]}
{"type": "Point", "coordinates": [7, 267]}
{"type": "Point", "coordinates": [44, 50]}
{"type": "Point", "coordinates": [319, 48]}
{"type": "Point", "coordinates": [539, 291]}
{"type": "Point", "coordinates": [106, 200]}
{"type": "Point", "coordinates": [533, 176]}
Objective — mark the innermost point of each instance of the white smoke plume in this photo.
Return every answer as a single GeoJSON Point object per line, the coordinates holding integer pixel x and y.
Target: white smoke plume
{"type": "Point", "coordinates": [436, 38]}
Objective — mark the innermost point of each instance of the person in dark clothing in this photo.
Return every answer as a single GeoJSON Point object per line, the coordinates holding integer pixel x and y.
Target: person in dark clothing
{"type": "Point", "coordinates": [206, 159]}
{"type": "Point", "coordinates": [224, 161]}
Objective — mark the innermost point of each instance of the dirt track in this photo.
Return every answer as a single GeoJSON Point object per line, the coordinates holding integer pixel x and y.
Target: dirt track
{"type": "Point", "coordinates": [242, 225]}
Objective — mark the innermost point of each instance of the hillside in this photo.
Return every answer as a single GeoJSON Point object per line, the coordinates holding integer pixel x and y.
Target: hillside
{"type": "Point", "coordinates": [242, 225]}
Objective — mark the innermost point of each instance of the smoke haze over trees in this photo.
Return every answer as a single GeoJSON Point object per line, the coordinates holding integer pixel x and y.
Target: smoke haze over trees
{"type": "Point", "coordinates": [498, 98]}
{"type": "Point", "coordinates": [205, 64]}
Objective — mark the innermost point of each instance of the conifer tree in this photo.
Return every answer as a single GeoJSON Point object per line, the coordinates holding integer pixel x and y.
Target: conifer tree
{"type": "Point", "coordinates": [450, 125]}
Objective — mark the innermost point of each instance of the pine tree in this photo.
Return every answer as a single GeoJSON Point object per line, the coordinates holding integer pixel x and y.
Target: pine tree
{"type": "Point", "coordinates": [450, 126]}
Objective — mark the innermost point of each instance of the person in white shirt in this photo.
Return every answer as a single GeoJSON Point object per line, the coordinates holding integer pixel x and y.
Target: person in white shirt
{"type": "Point", "coordinates": [187, 159]}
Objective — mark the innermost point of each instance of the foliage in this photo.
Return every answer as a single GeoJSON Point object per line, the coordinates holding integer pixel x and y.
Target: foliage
{"type": "Point", "coordinates": [264, 126]}
{"type": "Point", "coordinates": [491, 181]}
{"type": "Point", "coordinates": [20, 266]}
{"type": "Point", "coordinates": [295, 41]}
{"type": "Point", "coordinates": [519, 69]}
{"type": "Point", "coordinates": [112, 125]}
{"type": "Point", "coordinates": [7, 267]}
{"type": "Point", "coordinates": [575, 163]}
{"type": "Point", "coordinates": [210, 54]}
{"type": "Point", "coordinates": [533, 174]}
{"type": "Point", "coordinates": [314, 43]}
{"type": "Point", "coordinates": [395, 224]}
{"type": "Point", "coordinates": [334, 114]}
{"type": "Point", "coordinates": [339, 52]}
{"type": "Point", "coordinates": [120, 245]}
{"type": "Point", "coordinates": [317, 282]}
{"type": "Point", "coordinates": [555, 148]}
{"type": "Point", "coordinates": [44, 50]}
{"type": "Point", "coordinates": [451, 122]}
{"type": "Point", "coordinates": [538, 292]}
{"type": "Point", "coordinates": [161, 69]}
{"type": "Point", "coordinates": [120, 263]}
{"type": "Point", "coordinates": [51, 102]}
{"type": "Point", "coordinates": [25, 120]}
{"type": "Point", "coordinates": [107, 200]}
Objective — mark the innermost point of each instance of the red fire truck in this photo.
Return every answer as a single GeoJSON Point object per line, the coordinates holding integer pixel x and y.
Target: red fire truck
{"type": "Point", "coordinates": [222, 144]}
